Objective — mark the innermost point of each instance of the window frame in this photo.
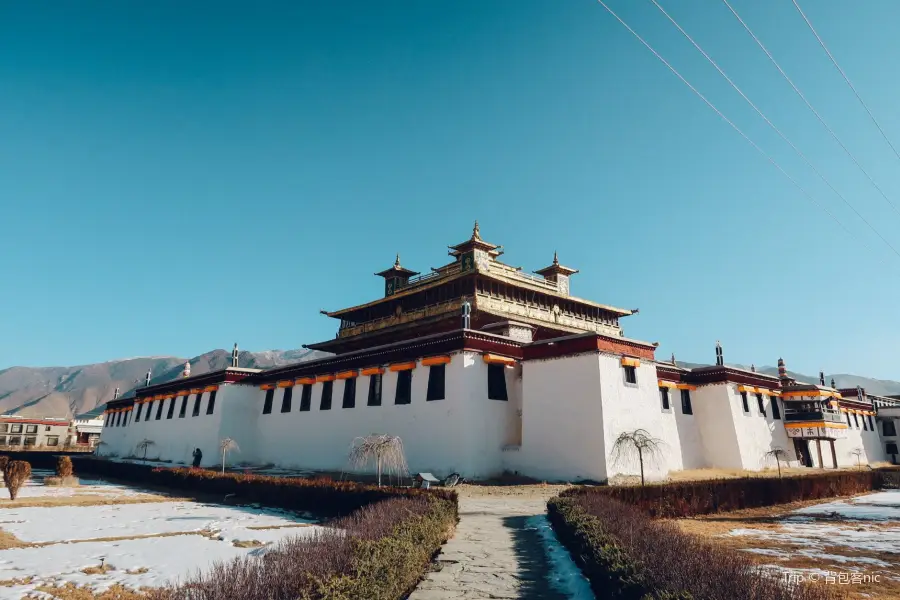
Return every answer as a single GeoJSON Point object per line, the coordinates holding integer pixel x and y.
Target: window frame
{"type": "Point", "coordinates": [211, 403]}
{"type": "Point", "coordinates": [759, 402]}
{"type": "Point", "coordinates": [15, 440]}
{"type": "Point", "coordinates": [630, 374]}
{"type": "Point", "coordinates": [745, 403]}
{"type": "Point", "coordinates": [267, 402]}
{"type": "Point", "coordinates": [182, 412]}
{"type": "Point", "coordinates": [327, 395]}
{"type": "Point", "coordinates": [664, 398]}
{"type": "Point", "coordinates": [171, 411]}
{"type": "Point", "coordinates": [496, 383]}
{"type": "Point", "coordinates": [403, 389]}
{"type": "Point", "coordinates": [137, 414]}
{"type": "Point", "coordinates": [871, 423]}
{"type": "Point", "coordinates": [893, 428]}
{"type": "Point", "coordinates": [437, 383]}
{"type": "Point", "coordinates": [306, 397]}
{"type": "Point", "coordinates": [776, 411]}
{"type": "Point", "coordinates": [197, 401]}
{"type": "Point", "coordinates": [286, 398]}
{"type": "Point", "coordinates": [376, 389]}
{"type": "Point", "coordinates": [686, 407]}
{"type": "Point", "coordinates": [348, 394]}
{"type": "Point", "coordinates": [52, 440]}
{"type": "Point", "coordinates": [32, 442]}
{"type": "Point", "coordinates": [31, 429]}
{"type": "Point", "coordinates": [159, 409]}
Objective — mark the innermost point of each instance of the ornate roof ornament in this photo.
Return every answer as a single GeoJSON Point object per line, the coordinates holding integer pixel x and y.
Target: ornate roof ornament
{"type": "Point", "coordinates": [476, 233]}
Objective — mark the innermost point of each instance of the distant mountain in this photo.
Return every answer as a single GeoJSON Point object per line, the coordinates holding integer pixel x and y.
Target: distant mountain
{"type": "Point", "coordinates": [64, 391]}
{"type": "Point", "coordinates": [879, 387]}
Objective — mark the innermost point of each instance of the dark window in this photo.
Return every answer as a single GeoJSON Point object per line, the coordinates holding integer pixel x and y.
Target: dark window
{"type": "Point", "coordinates": [137, 415]}
{"type": "Point", "coordinates": [664, 397]}
{"type": "Point", "coordinates": [267, 404]}
{"type": "Point", "coordinates": [53, 441]}
{"type": "Point", "coordinates": [327, 388]}
{"type": "Point", "coordinates": [197, 399]}
{"type": "Point", "coordinates": [18, 428]}
{"type": "Point", "coordinates": [776, 413]}
{"type": "Point", "coordinates": [889, 428]}
{"type": "Point", "coordinates": [286, 399]}
{"type": "Point", "coordinates": [744, 402]}
{"type": "Point", "coordinates": [404, 387]}
{"type": "Point", "coordinates": [211, 406]}
{"type": "Point", "coordinates": [47, 428]}
{"type": "Point", "coordinates": [171, 412]}
{"type": "Point", "coordinates": [686, 407]}
{"type": "Point", "coordinates": [15, 440]}
{"type": "Point", "coordinates": [159, 407]}
{"type": "Point", "coordinates": [306, 397]}
{"type": "Point", "coordinates": [497, 382]}
{"type": "Point", "coordinates": [871, 424]}
{"type": "Point", "coordinates": [30, 441]}
{"type": "Point", "coordinates": [856, 420]}
{"type": "Point", "coordinates": [630, 374]}
{"type": "Point", "coordinates": [108, 419]}
{"type": "Point", "coordinates": [891, 448]}
{"type": "Point", "coordinates": [762, 407]}
{"type": "Point", "coordinates": [125, 418]}
{"type": "Point", "coordinates": [849, 424]}
{"type": "Point", "coordinates": [865, 427]}
{"type": "Point", "coordinates": [349, 400]}
{"type": "Point", "coordinates": [183, 409]}
{"type": "Point", "coordinates": [436, 375]}
{"type": "Point", "coordinates": [32, 428]}
{"type": "Point", "coordinates": [375, 390]}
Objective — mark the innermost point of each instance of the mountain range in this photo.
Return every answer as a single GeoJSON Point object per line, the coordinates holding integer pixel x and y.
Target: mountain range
{"type": "Point", "coordinates": [67, 391]}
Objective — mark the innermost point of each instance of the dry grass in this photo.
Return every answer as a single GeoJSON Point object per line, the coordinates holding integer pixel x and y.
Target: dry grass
{"type": "Point", "coordinates": [56, 481]}
{"type": "Point", "coordinates": [705, 474]}
{"type": "Point", "coordinates": [70, 591]}
{"type": "Point", "coordinates": [768, 520]}
{"type": "Point", "coordinates": [8, 540]}
{"type": "Point", "coordinates": [138, 571]}
{"type": "Point", "coordinates": [99, 569]}
{"type": "Point", "coordinates": [289, 526]}
{"type": "Point", "coordinates": [19, 581]}
{"type": "Point", "coordinates": [84, 500]}
{"type": "Point", "coordinates": [247, 544]}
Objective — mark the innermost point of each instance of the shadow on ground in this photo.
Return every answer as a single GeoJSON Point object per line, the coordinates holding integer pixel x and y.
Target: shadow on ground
{"type": "Point", "coordinates": [534, 566]}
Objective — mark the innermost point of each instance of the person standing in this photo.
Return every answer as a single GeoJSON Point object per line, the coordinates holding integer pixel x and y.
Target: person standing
{"type": "Point", "coordinates": [198, 456]}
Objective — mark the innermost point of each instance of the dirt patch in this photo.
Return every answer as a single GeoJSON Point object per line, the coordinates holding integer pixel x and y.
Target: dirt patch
{"type": "Point", "coordinates": [705, 474]}
{"type": "Point", "coordinates": [8, 540]}
{"type": "Point", "coordinates": [541, 491]}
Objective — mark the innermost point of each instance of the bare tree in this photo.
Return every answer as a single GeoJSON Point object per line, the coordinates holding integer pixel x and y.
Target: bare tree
{"type": "Point", "coordinates": [385, 450]}
{"type": "Point", "coordinates": [858, 453]}
{"type": "Point", "coordinates": [637, 443]}
{"type": "Point", "coordinates": [144, 445]}
{"type": "Point", "coordinates": [779, 454]}
{"type": "Point", "coordinates": [225, 445]}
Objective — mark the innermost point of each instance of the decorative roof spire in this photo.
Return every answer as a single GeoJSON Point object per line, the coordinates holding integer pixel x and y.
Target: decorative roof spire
{"type": "Point", "coordinates": [673, 358]}
{"type": "Point", "coordinates": [187, 369]}
{"type": "Point", "coordinates": [752, 368]}
{"type": "Point", "coordinates": [147, 382]}
{"type": "Point", "coordinates": [720, 359]}
{"type": "Point", "coordinates": [234, 356]}
{"type": "Point", "coordinates": [821, 378]}
{"type": "Point", "coordinates": [116, 394]}
{"type": "Point", "coordinates": [397, 261]}
{"type": "Point", "coordinates": [832, 383]}
{"type": "Point", "coordinates": [476, 234]}
{"type": "Point", "coordinates": [555, 259]}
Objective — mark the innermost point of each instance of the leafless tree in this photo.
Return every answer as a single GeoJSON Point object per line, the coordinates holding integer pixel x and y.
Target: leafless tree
{"type": "Point", "coordinates": [636, 443]}
{"type": "Point", "coordinates": [144, 445]}
{"type": "Point", "coordinates": [779, 454]}
{"type": "Point", "coordinates": [858, 453]}
{"type": "Point", "coordinates": [385, 450]}
{"type": "Point", "coordinates": [225, 445]}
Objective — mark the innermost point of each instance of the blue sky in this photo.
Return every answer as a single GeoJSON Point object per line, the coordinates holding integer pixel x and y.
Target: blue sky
{"type": "Point", "coordinates": [178, 176]}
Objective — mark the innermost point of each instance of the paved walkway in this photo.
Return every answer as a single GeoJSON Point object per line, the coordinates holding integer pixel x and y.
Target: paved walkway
{"type": "Point", "coordinates": [494, 554]}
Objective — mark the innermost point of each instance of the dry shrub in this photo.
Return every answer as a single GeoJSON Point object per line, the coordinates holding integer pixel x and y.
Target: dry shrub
{"type": "Point", "coordinates": [15, 474]}
{"type": "Point", "coordinates": [57, 481]}
{"type": "Point", "coordinates": [4, 460]}
{"type": "Point", "coordinates": [626, 554]}
{"type": "Point", "coordinates": [64, 466]}
{"type": "Point", "coordinates": [378, 553]}
{"type": "Point", "coordinates": [690, 498]}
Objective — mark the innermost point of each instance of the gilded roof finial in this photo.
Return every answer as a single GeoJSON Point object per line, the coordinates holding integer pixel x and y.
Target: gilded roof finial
{"type": "Point", "coordinates": [555, 259]}
{"type": "Point", "coordinates": [476, 234]}
{"type": "Point", "coordinates": [397, 261]}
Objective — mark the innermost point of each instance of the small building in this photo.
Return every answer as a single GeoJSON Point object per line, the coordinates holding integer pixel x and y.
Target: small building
{"type": "Point", "coordinates": [25, 433]}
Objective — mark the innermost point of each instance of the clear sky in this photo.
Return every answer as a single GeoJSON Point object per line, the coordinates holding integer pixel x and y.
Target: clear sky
{"type": "Point", "coordinates": [177, 176]}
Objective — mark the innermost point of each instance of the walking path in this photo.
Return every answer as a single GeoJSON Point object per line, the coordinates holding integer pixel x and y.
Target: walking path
{"type": "Point", "coordinates": [498, 552]}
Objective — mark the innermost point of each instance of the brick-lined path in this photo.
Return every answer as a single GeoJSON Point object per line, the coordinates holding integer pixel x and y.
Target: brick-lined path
{"type": "Point", "coordinates": [496, 553]}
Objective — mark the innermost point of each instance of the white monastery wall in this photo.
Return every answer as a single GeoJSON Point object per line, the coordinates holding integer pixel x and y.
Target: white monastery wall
{"type": "Point", "coordinates": [858, 437]}
{"type": "Point", "coordinates": [713, 410]}
{"type": "Point", "coordinates": [562, 420]}
{"type": "Point", "coordinates": [626, 407]}
{"type": "Point", "coordinates": [757, 432]}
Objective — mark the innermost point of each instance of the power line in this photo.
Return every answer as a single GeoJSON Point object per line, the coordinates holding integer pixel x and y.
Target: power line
{"type": "Point", "coordinates": [810, 106]}
{"type": "Point", "coordinates": [730, 122]}
{"type": "Point", "coordinates": [774, 127]}
{"type": "Point", "coordinates": [847, 79]}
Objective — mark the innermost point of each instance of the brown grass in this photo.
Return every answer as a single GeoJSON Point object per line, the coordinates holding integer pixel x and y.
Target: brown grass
{"type": "Point", "coordinates": [768, 519]}
{"type": "Point", "coordinates": [138, 571]}
{"type": "Point", "coordinates": [99, 569]}
{"type": "Point", "coordinates": [291, 525]}
{"type": "Point", "coordinates": [247, 544]}
{"type": "Point", "coordinates": [83, 500]}
{"type": "Point", "coordinates": [8, 540]}
{"type": "Point", "coordinates": [56, 481]}
{"type": "Point", "coordinates": [19, 581]}
{"type": "Point", "coordinates": [70, 591]}
{"type": "Point", "coordinates": [704, 474]}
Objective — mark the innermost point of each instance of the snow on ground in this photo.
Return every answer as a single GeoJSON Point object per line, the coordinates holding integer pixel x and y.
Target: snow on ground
{"type": "Point", "coordinates": [192, 536]}
{"type": "Point", "coordinates": [564, 574]}
{"type": "Point", "coordinates": [869, 523]}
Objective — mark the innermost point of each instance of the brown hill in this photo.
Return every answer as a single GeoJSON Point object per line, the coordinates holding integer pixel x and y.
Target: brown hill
{"type": "Point", "coordinates": [66, 391]}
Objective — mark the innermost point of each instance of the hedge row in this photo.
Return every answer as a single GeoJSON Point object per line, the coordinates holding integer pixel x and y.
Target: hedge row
{"type": "Point", "coordinates": [685, 499]}
{"type": "Point", "coordinates": [323, 497]}
{"type": "Point", "coordinates": [377, 553]}
{"type": "Point", "coordinates": [627, 555]}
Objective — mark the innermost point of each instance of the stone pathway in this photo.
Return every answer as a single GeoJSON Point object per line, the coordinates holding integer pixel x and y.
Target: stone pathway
{"type": "Point", "coordinates": [494, 554]}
